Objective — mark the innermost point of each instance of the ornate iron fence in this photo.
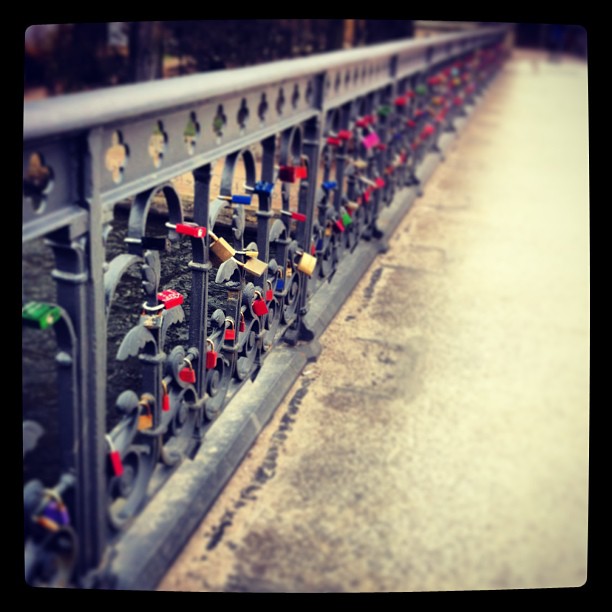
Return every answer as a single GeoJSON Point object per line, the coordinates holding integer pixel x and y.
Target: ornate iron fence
{"type": "Point", "coordinates": [175, 233]}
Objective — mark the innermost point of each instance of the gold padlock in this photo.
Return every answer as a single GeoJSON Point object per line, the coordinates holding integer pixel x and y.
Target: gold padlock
{"type": "Point", "coordinates": [307, 264]}
{"type": "Point", "coordinates": [254, 266]}
{"type": "Point", "coordinates": [145, 421]}
{"type": "Point", "coordinates": [220, 250]}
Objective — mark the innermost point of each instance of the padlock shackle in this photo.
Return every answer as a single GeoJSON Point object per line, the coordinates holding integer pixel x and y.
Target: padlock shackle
{"type": "Point", "coordinates": [231, 321]}
{"type": "Point", "coordinates": [209, 341]}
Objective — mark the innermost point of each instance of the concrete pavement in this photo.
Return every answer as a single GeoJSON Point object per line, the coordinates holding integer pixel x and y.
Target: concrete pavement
{"type": "Point", "coordinates": [440, 442]}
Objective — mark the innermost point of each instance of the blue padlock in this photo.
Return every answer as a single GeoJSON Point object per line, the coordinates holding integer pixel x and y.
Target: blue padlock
{"type": "Point", "coordinates": [329, 185]}
{"type": "Point", "coordinates": [263, 188]}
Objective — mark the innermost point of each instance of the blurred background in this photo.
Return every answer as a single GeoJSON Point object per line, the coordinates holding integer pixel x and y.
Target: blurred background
{"type": "Point", "coordinates": [113, 53]}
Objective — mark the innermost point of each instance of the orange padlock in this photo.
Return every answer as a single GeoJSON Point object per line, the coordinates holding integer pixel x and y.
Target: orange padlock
{"type": "Point", "coordinates": [145, 421]}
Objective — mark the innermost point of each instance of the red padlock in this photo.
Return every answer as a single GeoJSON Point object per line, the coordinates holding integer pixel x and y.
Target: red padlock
{"type": "Point", "coordinates": [259, 305]}
{"type": "Point", "coordinates": [189, 229]}
{"type": "Point", "coordinates": [170, 298]}
{"type": "Point", "coordinates": [269, 292]}
{"type": "Point", "coordinates": [165, 397]}
{"type": "Point", "coordinates": [115, 458]}
{"type": "Point", "coordinates": [230, 332]}
{"type": "Point", "coordinates": [187, 374]}
{"type": "Point", "coordinates": [242, 324]}
{"type": "Point", "coordinates": [334, 141]}
{"type": "Point", "coordinates": [380, 182]}
{"type": "Point", "coordinates": [339, 225]}
{"type": "Point", "coordinates": [211, 356]}
{"type": "Point", "coordinates": [345, 134]}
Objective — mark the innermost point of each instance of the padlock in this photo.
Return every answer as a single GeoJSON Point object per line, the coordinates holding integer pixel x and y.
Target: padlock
{"type": "Point", "coordinates": [428, 130]}
{"type": "Point", "coordinates": [307, 264]}
{"type": "Point", "coordinates": [236, 198]}
{"type": "Point", "coordinates": [384, 111]}
{"type": "Point", "coordinates": [150, 243]}
{"type": "Point", "coordinates": [280, 281]}
{"type": "Point", "coordinates": [211, 355]}
{"type": "Point", "coordinates": [319, 245]}
{"type": "Point", "coordinates": [190, 229]}
{"type": "Point", "coordinates": [345, 134]}
{"type": "Point", "coordinates": [55, 513]}
{"type": "Point", "coordinates": [328, 230]}
{"type": "Point", "coordinates": [401, 100]}
{"type": "Point", "coordinates": [230, 332]}
{"type": "Point", "coordinates": [370, 140]}
{"type": "Point", "coordinates": [289, 174]}
{"type": "Point", "coordinates": [294, 215]}
{"type": "Point", "coordinates": [187, 374]}
{"type": "Point", "coordinates": [367, 194]}
{"type": "Point", "coordinates": [365, 121]}
{"type": "Point", "coordinates": [259, 305]}
{"type": "Point", "coordinates": [41, 315]}
{"type": "Point", "coordinates": [170, 298]}
{"type": "Point", "coordinates": [220, 250]}
{"type": "Point", "coordinates": [254, 266]}
{"type": "Point", "coordinates": [269, 291]}
{"type": "Point", "coordinates": [263, 188]}
{"type": "Point", "coordinates": [346, 219]}
{"type": "Point", "coordinates": [380, 182]}
{"type": "Point", "coordinates": [165, 396]}
{"type": "Point", "coordinates": [242, 325]}
{"type": "Point", "coordinates": [339, 225]}
{"type": "Point", "coordinates": [145, 421]}
{"type": "Point", "coordinates": [313, 249]}
{"type": "Point", "coordinates": [115, 458]}
{"type": "Point", "coordinates": [334, 141]}
{"type": "Point", "coordinates": [360, 164]}
{"type": "Point", "coordinates": [329, 185]}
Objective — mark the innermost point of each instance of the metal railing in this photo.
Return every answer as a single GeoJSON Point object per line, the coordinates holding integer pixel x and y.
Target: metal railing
{"type": "Point", "coordinates": [190, 224]}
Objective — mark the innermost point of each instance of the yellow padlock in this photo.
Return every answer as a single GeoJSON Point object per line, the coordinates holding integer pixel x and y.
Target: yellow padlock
{"type": "Point", "coordinates": [307, 264]}
{"type": "Point", "coordinates": [220, 250]}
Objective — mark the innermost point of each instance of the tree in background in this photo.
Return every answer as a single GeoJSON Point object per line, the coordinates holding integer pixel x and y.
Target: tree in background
{"type": "Point", "coordinates": [65, 58]}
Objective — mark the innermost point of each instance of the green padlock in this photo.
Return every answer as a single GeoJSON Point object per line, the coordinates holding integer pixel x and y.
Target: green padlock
{"type": "Point", "coordinates": [346, 219]}
{"type": "Point", "coordinates": [41, 315]}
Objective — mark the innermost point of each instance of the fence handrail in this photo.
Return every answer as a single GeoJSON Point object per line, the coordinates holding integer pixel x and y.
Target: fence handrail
{"type": "Point", "coordinates": [85, 110]}
{"type": "Point", "coordinates": [360, 133]}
